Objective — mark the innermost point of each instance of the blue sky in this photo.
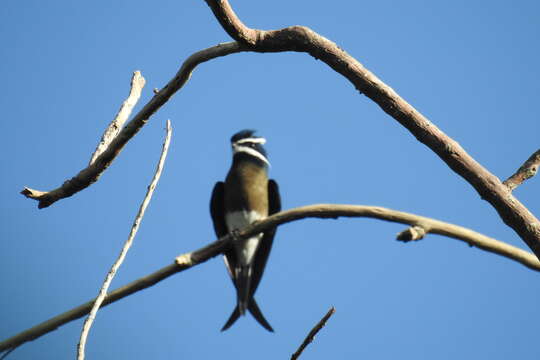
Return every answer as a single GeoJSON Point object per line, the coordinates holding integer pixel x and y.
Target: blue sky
{"type": "Point", "coordinates": [471, 68]}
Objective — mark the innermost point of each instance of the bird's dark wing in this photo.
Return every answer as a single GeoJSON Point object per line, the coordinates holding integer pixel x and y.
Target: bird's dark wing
{"type": "Point", "coordinates": [259, 263]}
{"type": "Point", "coordinates": [274, 205]}
{"type": "Point", "coordinates": [217, 210]}
{"type": "Point", "coordinates": [261, 257]}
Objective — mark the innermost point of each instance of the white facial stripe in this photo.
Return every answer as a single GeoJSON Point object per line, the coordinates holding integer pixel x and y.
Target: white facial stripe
{"type": "Point", "coordinates": [252, 140]}
{"type": "Point", "coordinates": [250, 151]}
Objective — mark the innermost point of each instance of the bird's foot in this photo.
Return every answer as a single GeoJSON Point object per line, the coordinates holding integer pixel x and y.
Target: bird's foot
{"type": "Point", "coordinates": [235, 235]}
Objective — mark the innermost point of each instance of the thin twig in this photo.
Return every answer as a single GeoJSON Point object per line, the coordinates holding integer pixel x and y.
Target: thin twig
{"type": "Point", "coordinates": [91, 174]}
{"type": "Point", "coordinates": [112, 272]}
{"type": "Point", "coordinates": [303, 39]}
{"type": "Point", "coordinates": [525, 171]}
{"type": "Point", "coordinates": [137, 84]}
{"type": "Point", "coordinates": [309, 338]}
{"type": "Point", "coordinates": [325, 211]}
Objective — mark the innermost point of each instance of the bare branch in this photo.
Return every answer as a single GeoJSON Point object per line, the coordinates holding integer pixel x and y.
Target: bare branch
{"type": "Point", "coordinates": [525, 172]}
{"type": "Point", "coordinates": [429, 225]}
{"type": "Point", "coordinates": [303, 39]}
{"type": "Point", "coordinates": [323, 211]}
{"type": "Point", "coordinates": [112, 272]}
{"type": "Point", "coordinates": [137, 84]}
{"type": "Point", "coordinates": [91, 174]}
{"type": "Point", "coordinates": [311, 336]}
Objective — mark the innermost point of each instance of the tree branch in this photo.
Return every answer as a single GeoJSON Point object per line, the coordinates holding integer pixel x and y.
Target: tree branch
{"type": "Point", "coordinates": [311, 336]}
{"type": "Point", "coordinates": [322, 211]}
{"type": "Point", "coordinates": [137, 84]}
{"type": "Point", "coordinates": [112, 272]}
{"type": "Point", "coordinates": [91, 174]}
{"type": "Point", "coordinates": [303, 39]}
{"type": "Point", "coordinates": [525, 172]}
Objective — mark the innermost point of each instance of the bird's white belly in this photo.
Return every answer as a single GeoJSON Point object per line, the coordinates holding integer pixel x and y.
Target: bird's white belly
{"type": "Point", "coordinates": [238, 220]}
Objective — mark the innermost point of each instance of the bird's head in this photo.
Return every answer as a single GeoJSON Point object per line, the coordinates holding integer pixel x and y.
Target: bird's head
{"type": "Point", "coordinates": [245, 143]}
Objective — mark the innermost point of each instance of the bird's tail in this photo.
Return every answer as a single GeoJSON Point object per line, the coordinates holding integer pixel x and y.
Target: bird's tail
{"type": "Point", "coordinates": [257, 314]}
{"type": "Point", "coordinates": [243, 287]}
{"type": "Point", "coordinates": [254, 310]}
{"type": "Point", "coordinates": [232, 319]}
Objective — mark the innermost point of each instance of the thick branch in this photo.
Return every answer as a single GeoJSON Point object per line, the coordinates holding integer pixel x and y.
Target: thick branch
{"type": "Point", "coordinates": [322, 211]}
{"type": "Point", "coordinates": [112, 272]}
{"type": "Point", "coordinates": [91, 174]}
{"type": "Point", "coordinates": [526, 171]}
{"type": "Point", "coordinates": [303, 39]}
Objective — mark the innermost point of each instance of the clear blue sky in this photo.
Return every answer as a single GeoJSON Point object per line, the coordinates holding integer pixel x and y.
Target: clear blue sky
{"type": "Point", "coordinates": [471, 67]}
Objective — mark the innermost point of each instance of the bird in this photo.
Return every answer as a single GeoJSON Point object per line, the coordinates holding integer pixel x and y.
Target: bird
{"type": "Point", "coordinates": [246, 196]}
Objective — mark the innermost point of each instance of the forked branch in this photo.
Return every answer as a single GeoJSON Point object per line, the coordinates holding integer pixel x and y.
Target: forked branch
{"type": "Point", "coordinates": [107, 149]}
{"type": "Point", "coordinates": [322, 211]}
{"type": "Point", "coordinates": [303, 39]}
{"type": "Point", "coordinates": [99, 164]}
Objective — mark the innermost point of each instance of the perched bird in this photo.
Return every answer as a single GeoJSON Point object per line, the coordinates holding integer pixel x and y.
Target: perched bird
{"type": "Point", "coordinates": [247, 195]}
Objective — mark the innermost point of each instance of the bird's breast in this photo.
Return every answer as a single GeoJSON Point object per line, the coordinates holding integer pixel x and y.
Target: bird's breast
{"type": "Point", "coordinates": [246, 189]}
{"type": "Point", "coordinates": [238, 219]}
